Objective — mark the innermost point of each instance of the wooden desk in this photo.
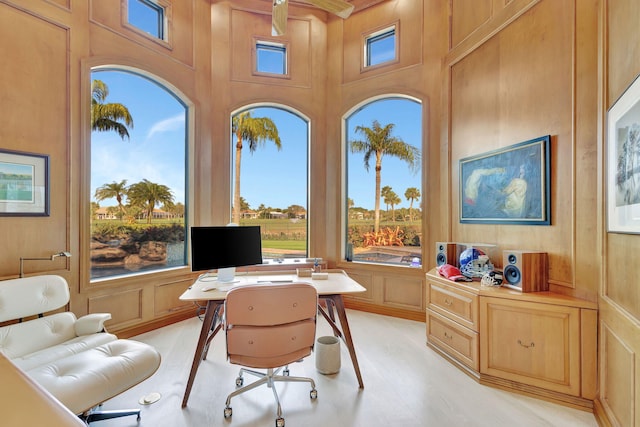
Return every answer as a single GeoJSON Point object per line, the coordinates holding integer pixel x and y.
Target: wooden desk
{"type": "Point", "coordinates": [330, 292]}
{"type": "Point", "coordinates": [24, 402]}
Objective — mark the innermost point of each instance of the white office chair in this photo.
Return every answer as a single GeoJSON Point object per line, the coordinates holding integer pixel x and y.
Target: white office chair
{"type": "Point", "coordinates": [269, 326]}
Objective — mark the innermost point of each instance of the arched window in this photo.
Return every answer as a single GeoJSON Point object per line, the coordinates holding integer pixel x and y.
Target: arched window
{"type": "Point", "coordinates": [138, 174]}
{"type": "Point", "coordinates": [270, 170]}
{"type": "Point", "coordinates": [383, 144]}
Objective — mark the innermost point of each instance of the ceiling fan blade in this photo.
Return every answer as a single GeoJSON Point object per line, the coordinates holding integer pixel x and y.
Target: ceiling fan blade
{"type": "Point", "coordinates": [279, 17]}
{"type": "Point", "coordinates": [337, 7]}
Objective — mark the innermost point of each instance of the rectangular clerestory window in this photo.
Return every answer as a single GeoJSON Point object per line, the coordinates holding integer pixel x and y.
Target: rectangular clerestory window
{"type": "Point", "coordinates": [148, 16]}
{"type": "Point", "coordinates": [271, 58]}
{"type": "Point", "coordinates": [380, 47]}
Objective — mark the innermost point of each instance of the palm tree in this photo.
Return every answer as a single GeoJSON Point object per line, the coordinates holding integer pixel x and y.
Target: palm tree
{"type": "Point", "coordinates": [147, 195]}
{"type": "Point", "coordinates": [392, 199]}
{"type": "Point", "coordinates": [379, 142]}
{"type": "Point", "coordinates": [116, 190]}
{"type": "Point", "coordinates": [110, 116]}
{"type": "Point", "coordinates": [256, 131]}
{"type": "Point", "coordinates": [411, 194]}
{"type": "Point", "coordinates": [384, 193]}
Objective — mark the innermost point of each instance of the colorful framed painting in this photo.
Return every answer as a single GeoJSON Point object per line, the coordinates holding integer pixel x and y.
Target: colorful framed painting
{"type": "Point", "coordinates": [507, 186]}
{"type": "Point", "coordinates": [623, 162]}
{"type": "Point", "coordinates": [24, 184]}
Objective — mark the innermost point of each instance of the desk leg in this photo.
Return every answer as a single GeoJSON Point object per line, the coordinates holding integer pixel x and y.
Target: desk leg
{"type": "Point", "coordinates": [202, 346]}
{"type": "Point", "coordinates": [338, 303]}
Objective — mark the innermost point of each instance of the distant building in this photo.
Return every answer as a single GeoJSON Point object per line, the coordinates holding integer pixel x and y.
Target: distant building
{"type": "Point", "coordinates": [104, 213]}
{"type": "Point", "coordinates": [277, 215]}
{"type": "Point", "coordinates": [249, 214]}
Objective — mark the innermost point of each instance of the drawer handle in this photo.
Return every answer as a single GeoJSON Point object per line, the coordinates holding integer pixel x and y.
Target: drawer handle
{"type": "Point", "coordinates": [447, 336]}
{"type": "Point", "coordinates": [448, 302]}
{"type": "Point", "coordinates": [525, 345]}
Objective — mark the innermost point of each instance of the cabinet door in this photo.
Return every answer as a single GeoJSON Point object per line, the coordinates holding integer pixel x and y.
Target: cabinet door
{"type": "Point", "coordinates": [531, 343]}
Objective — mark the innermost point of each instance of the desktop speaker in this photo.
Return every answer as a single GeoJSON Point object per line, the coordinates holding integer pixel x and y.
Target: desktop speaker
{"type": "Point", "coordinates": [525, 271]}
{"type": "Point", "coordinates": [449, 253]}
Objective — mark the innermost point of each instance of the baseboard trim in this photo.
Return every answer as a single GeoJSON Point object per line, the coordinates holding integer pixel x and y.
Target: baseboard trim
{"type": "Point", "coordinates": [537, 392]}
{"type": "Point", "coordinates": [355, 304]}
{"type": "Point", "coordinates": [601, 414]}
{"type": "Point", "coordinates": [155, 324]}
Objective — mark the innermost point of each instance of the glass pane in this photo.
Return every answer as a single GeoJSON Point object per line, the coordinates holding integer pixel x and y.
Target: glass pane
{"type": "Point", "coordinates": [381, 48]}
{"type": "Point", "coordinates": [273, 182]}
{"type": "Point", "coordinates": [271, 59]}
{"type": "Point", "coordinates": [147, 16]}
{"type": "Point", "coordinates": [394, 194]}
{"type": "Point", "coordinates": [138, 184]}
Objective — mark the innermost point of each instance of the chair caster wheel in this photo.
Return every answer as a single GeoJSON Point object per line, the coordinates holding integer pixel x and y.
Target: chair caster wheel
{"type": "Point", "coordinates": [228, 412]}
{"type": "Point", "coordinates": [313, 394]}
{"type": "Point", "coordinates": [239, 381]}
{"type": "Point", "coordinates": [279, 422]}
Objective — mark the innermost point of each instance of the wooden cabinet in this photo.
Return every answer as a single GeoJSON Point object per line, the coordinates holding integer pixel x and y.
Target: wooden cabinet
{"type": "Point", "coordinates": [541, 343]}
{"type": "Point", "coordinates": [452, 323]}
{"type": "Point", "coordinates": [532, 343]}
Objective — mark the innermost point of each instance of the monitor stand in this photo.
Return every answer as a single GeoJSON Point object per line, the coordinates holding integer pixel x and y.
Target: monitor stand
{"type": "Point", "coordinates": [226, 275]}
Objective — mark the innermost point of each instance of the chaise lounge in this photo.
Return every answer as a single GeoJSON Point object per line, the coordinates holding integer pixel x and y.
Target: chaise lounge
{"type": "Point", "coordinates": [75, 360]}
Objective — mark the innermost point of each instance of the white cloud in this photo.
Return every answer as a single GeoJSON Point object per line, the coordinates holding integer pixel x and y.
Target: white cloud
{"type": "Point", "coordinates": [172, 123]}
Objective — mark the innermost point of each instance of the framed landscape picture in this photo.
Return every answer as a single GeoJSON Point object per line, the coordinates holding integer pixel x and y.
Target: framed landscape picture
{"type": "Point", "coordinates": [507, 186]}
{"type": "Point", "coordinates": [24, 184]}
{"type": "Point", "coordinates": [623, 162]}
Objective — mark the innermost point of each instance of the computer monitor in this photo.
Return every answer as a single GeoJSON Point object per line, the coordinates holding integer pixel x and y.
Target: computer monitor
{"type": "Point", "coordinates": [224, 247]}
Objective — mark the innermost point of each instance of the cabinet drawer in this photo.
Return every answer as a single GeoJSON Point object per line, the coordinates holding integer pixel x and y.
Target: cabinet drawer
{"type": "Point", "coordinates": [455, 304]}
{"type": "Point", "coordinates": [457, 341]}
{"type": "Point", "coordinates": [536, 344]}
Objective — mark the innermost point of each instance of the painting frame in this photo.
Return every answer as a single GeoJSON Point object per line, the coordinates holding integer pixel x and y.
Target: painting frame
{"type": "Point", "coordinates": [509, 185]}
{"type": "Point", "coordinates": [24, 184]}
{"type": "Point", "coordinates": [622, 138]}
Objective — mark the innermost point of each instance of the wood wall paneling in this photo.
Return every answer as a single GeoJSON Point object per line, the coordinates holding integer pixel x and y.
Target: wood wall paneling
{"type": "Point", "coordinates": [623, 49]}
{"type": "Point", "coordinates": [410, 24]}
{"type": "Point", "coordinates": [34, 71]}
{"type": "Point", "coordinates": [125, 307]}
{"type": "Point", "coordinates": [248, 26]}
{"type": "Point", "coordinates": [619, 373]}
{"type": "Point", "coordinates": [167, 298]}
{"type": "Point", "coordinates": [403, 292]}
{"type": "Point", "coordinates": [66, 4]}
{"type": "Point", "coordinates": [588, 216]}
{"type": "Point", "coordinates": [589, 353]}
{"type": "Point", "coordinates": [467, 16]}
{"type": "Point", "coordinates": [366, 280]}
{"type": "Point", "coordinates": [493, 106]}
{"type": "Point", "coordinates": [622, 275]}
{"type": "Point", "coordinates": [110, 14]}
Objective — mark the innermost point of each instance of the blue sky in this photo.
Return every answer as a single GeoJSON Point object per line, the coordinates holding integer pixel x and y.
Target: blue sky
{"type": "Point", "coordinates": [155, 150]}
{"type": "Point", "coordinates": [406, 115]}
{"type": "Point", "coordinates": [274, 178]}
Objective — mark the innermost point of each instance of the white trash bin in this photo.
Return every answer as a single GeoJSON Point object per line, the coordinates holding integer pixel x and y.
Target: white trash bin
{"type": "Point", "coordinates": [327, 355]}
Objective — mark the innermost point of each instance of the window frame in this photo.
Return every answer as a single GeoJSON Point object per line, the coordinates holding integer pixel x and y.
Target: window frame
{"type": "Point", "coordinates": [345, 259]}
{"type": "Point", "coordinates": [168, 271]}
{"type": "Point", "coordinates": [164, 21]}
{"type": "Point", "coordinates": [276, 46]}
{"type": "Point", "coordinates": [376, 35]}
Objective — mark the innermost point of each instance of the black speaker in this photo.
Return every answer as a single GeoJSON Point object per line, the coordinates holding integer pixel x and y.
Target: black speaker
{"type": "Point", "coordinates": [449, 253]}
{"type": "Point", "coordinates": [525, 271]}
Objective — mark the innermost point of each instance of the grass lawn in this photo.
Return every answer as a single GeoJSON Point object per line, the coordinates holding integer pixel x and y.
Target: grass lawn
{"type": "Point", "coordinates": [298, 245]}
